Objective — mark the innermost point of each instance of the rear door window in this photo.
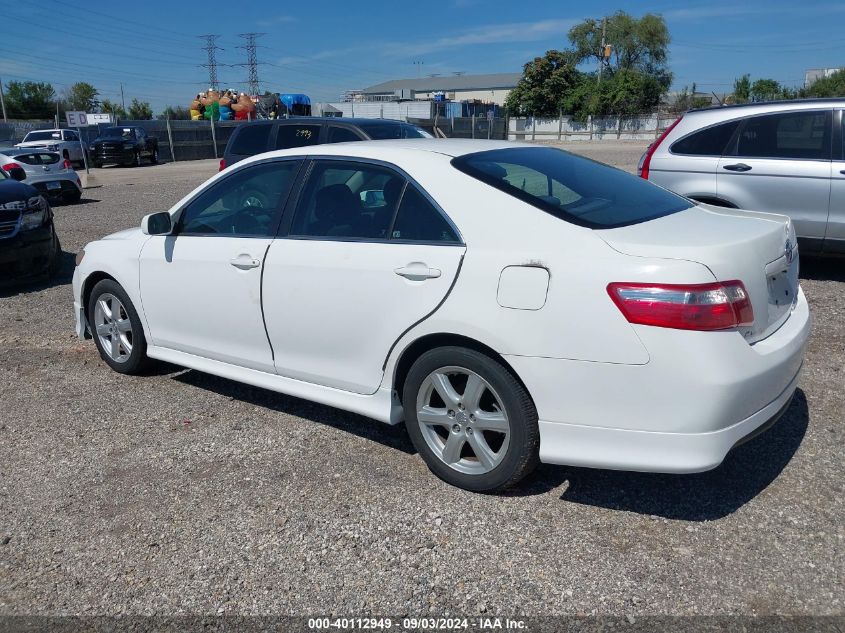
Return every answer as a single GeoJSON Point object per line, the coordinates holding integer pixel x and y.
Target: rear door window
{"type": "Point", "coordinates": [710, 141]}
{"type": "Point", "coordinates": [297, 135]}
{"type": "Point", "coordinates": [342, 135]}
{"type": "Point", "coordinates": [418, 220]}
{"type": "Point", "coordinates": [251, 139]}
{"type": "Point", "coordinates": [572, 188]}
{"type": "Point", "coordinates": [796, 135]}
{"type": "Point", "coordinates": [27, 159]}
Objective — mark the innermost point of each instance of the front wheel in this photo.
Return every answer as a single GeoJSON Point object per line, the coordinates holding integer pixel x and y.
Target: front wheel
{"type": "Point", "coordinates": [116, 328]}
{"type": "Point", "coordinates": [471, 420]}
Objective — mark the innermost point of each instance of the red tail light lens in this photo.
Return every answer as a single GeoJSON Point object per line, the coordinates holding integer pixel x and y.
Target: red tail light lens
{"type": "Point", "coordinates": [11, 166]}
{"type": "Point", "coordinates": [222, 164]}
{"type": "Point", "coordinates": [67, 164]}
{"type": "Point", "coordinates": [717, 306]}
{"type": "Point", "coordinates": [645, 161]}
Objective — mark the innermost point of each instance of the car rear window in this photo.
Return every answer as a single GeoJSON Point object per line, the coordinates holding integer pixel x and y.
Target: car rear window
{"type": "Point", "coordinates": [710, 141]}
{"type": "Point", "coordinates": [382, 131]}
{"type": "Point", "coordinates": [251, 139]}
{"type": "Point", "coordinates": [572, 188]}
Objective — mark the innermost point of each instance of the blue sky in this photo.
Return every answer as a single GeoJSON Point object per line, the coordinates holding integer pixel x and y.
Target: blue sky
{"type": "Point", "coordinates": [322, 48]}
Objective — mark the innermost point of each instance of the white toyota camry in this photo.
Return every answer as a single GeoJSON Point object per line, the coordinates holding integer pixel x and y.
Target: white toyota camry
{"type": "Point", "coordinates": [511, 303]}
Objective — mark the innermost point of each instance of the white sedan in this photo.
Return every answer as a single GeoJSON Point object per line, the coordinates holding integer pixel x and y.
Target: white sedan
{"type": "Point", "coordinates": [513, 304]}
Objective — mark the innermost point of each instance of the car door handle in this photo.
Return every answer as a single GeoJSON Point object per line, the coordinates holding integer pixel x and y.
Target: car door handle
{"type": "Point", "coordinates": [417, 271]}
{"type": "Point", "coordinates": [244, 262]}
{"type": "Point", "coordinates": [737, 167]}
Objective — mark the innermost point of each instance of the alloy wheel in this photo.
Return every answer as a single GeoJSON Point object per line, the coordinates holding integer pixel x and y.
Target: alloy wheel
{"type": "Point", "coordinates": [113, 327]}
{"type": "Point", "coordinates": [462, 420]}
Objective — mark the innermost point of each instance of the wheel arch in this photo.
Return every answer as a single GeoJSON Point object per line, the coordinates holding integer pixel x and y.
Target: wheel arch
{"type": "Point", "coordinates": [88, 286]}
{"type": "Point", "coordinates": [428, 342]}
{"type": "Point", "coordinates": [716, 201]}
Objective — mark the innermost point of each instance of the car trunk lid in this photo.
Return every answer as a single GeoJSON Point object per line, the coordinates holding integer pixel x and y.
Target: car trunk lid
{"type": "Point", "coordinates": [758, 249]}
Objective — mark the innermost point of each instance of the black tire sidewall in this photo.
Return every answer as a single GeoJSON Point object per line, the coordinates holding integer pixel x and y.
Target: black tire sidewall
{"type": "Point", "coordinates": [522, 453]}
{"type": "Point", "coordinates": [138, 358]}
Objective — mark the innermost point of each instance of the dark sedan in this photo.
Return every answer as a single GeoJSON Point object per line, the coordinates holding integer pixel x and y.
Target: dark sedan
{"type": "Point", "coordinates": [29, 246]}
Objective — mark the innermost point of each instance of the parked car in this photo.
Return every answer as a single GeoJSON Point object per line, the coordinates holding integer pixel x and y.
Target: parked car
{"type": "Point", "coordinates": [250, 139]}
{"type": "Point", "coordinates": [65, 142]}
{"type": "Point", "coordinates": [784, 157]}
{"type": "Point", "coordinates": [125, 145]}
{"type": "Point", "coordinates": [29, 246]}
{"type": "Point", "coordinates": [52, 175]}
{"type": "Point", "coordinates": [512, 303]}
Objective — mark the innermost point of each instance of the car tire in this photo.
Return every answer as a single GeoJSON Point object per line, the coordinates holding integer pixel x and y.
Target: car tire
{"type": "Point", "coordinates": [72, 198]}
{"type": "Point", "coordinates": [483, 441]}
{"type": "Point", "coordinates": [56, 258]}
{"type": "Point", "coordinates": [154, 157]}
{"type": "Point", "coordinates": [120, 341]}
{"type": "Point", "coordinates": [137, 161]}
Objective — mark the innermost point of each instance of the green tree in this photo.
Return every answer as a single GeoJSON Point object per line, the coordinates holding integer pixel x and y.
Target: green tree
{"type": "Point", "coordinates": [766, 90]}
{"type": "Point", "coordinates": [686, 100]}
{"type": "Point", "coordinates": [81, 96]}
{"type": "Point", "coordinates": [831, 86]}
{"type": "Point", "coordinates": [110, 107]}
{"type": "Point", "coordinates": [30, 100]}
{"type": "Point", "coordinates": [140, 110]}
{"type": "Point", "coordinates": [547, 83]}
{"type": "Point", "coordinates": [742, 89]}
{"type": "Point", "coordinates": [639, 44]}
{"type": "Point", "coordinates": [175, 113]}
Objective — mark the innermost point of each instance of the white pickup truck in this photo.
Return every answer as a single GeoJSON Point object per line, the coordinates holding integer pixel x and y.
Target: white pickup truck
{"type": "Point", "coordinates": [65, 142]}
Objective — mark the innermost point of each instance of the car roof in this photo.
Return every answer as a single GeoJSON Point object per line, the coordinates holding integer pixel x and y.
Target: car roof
{"type": "Point", "coordinates": [17, 151]}
{"type": "Point", "coordinates": [46, 130]}
{"type": "Point", "coordinates": [338, 119]}
{"type": "Point", "coordinates": [372, 149]}
{"type": "Point", "coordinates": [785, 103]}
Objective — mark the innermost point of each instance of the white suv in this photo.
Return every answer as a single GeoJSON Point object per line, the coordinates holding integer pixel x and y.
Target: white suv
{"type": "Point", "coordinates": [65, 142]}
{"type": "Point", "coordinates": [783, 157]}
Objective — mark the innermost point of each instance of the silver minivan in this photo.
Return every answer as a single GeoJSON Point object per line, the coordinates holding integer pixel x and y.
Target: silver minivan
{"type": "Point", "coordinates": [784, 157]}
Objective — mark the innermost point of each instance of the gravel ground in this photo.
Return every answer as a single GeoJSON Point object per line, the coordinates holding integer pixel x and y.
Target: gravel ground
{"type": "Point", "coordinates": [182, 493]}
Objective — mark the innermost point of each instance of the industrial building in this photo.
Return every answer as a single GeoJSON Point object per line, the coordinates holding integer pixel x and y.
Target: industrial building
{"type": "Point", "coordinates": [493, 88]}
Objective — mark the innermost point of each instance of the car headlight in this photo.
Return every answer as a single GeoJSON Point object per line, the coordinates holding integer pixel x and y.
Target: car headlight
{"type": "Point", "coordinates": [53, 148]}
{"type": "Point", "coordinates": [35, 214]}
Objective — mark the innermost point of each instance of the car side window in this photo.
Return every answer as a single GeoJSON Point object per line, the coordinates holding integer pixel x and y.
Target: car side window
{"type": "Point", "coordinates": [247, 202]}
{"type": "Point", "coordinates": [140, 133]}
{"type": "Point", "coordinates": [251, 139]}
{"type": "Point", "coordinates": [710, 141]}
{"type": "Point", "coordinates": [71, 136]}
{"type": "Point", "coordinates": [795, 135]}
{"type": "Point", "coordinates": [348, 200]}
{"type": "Point", "coordinates": [341, 135]}
{"type": "Point", "coordinates": [297, 135]}
{"type": "Point", "coordinates": [419, 221]}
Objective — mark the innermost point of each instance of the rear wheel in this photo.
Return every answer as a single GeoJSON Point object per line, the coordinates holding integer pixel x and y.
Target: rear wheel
{"type": "Point", "coordinates": [116, 328]}
{"type": "Point", "coordinates": [72, 197]}
{"type": "Point", "coordinates": [471, 420]}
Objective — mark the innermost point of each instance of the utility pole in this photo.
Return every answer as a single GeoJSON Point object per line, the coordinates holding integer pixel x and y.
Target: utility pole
{"type": "Point", "coordinates": [2, 101]}
{"type": "Point", "coordinates": [603, 47]}
{"type": "Point", "coordinates": [211, 49]}
{"type": "Point", "coordinates": [251, 61]}
{"type": "Point", "coordinates": [419, 65]}
{"type": "Point", "coordinates": [122, 100]}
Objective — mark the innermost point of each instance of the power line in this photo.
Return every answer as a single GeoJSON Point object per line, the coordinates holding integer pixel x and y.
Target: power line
{"type": "Point", "coordinates": [211, 49]}
{"type": "Point", "coordinates": [251, 60]}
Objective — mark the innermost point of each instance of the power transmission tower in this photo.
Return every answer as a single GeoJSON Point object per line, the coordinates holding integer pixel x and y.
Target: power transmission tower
{"type": "Point", "coordinates": [251, 60]}
{"type": "Point", "coordinates": [211, 48]}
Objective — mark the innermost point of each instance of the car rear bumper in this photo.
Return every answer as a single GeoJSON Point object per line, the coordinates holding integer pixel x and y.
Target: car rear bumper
{"type": "Point", "coordinates": [699, 394]}
{"type": "Point", "coordinates": [26, 255]}
{"type": "Point", "coordinates": [68, 186]}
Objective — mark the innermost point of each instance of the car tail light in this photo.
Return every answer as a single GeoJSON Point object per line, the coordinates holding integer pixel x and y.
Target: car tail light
{"type": "Point", "coordinates": [222, 164]}
{"type": "Point", "coordinates": [66, 164]}
{"type": "Point", "coordinates": [716, 306]}
{"type": "Point", "coordinates": [645, 161]}
{"type": "Point", "coordinates": [11, 166]}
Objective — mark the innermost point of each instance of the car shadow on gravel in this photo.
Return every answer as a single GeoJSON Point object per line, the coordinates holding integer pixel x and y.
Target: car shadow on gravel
{"type": "Point", "coordinates": [62, 278]}
{"type": "Point", "coordinates": [745, 473]}
{"type": "Point", "coordinates": [393, 437]}
{"type": "Point", "coordinates": [823, 268]}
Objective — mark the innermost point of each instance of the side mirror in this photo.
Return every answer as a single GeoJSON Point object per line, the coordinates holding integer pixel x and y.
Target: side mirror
{"type": "Point", "coordinates": [157, 224]}
{"type": "Point", "coordinates": [17, 173]}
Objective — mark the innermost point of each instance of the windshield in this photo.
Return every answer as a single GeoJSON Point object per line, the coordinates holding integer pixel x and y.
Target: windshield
{"type": "Point", "coordinates": [572, 188]}
{"type": "Point", "coordinates": [117, 132]}
{"type": "Point", "coordinates": [46, 135]}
